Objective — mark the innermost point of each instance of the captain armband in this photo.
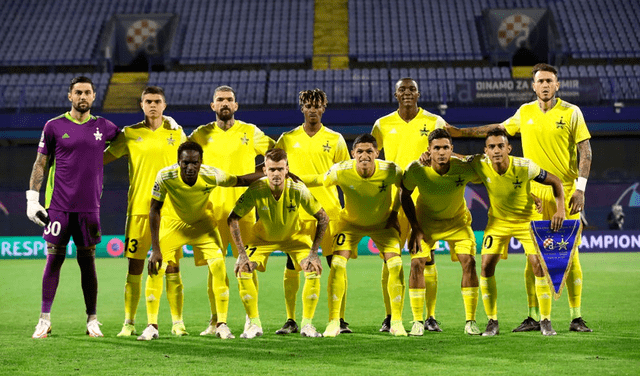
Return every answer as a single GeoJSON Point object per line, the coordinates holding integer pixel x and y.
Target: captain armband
{"type": "Point", "coordinates": [541, 176]}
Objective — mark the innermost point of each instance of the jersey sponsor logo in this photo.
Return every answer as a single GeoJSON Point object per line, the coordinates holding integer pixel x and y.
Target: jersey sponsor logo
{"type": "Point", "coordinates": [326, 147]}
{"type": "Point", "coordinates": [244, 140]}
{"type": "Point", "coordinates": [170, 140]}
{"type": "Point", "coordinates": [66, 135]}
{"type": "Point", "coordinates": [98, 135]}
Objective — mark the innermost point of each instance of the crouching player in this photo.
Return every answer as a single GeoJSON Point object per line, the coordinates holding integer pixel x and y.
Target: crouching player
{"type": "Point", "coordinates": [508, 182]}
{"type": "Point", "coordinates": [278, 200]}
{"type": "Point", "coordinates": [187, 185]}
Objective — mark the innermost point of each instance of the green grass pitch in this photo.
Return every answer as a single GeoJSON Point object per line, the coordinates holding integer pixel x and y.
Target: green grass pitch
{"type": "Point", "coordinates": [611, 306]}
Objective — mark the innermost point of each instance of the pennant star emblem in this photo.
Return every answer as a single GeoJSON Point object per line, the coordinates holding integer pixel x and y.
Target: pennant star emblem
{"type": "Point", "coordinates": [562, 244]}
{"type": "Point", "coordinates": [98, 135]}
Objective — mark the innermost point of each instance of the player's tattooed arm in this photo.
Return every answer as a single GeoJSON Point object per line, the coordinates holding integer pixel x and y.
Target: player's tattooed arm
{"type": "Point", "coordinates": [37, 173]}
{"type": "Point", "coordinates": [243, 264]}
{"type": "Point", "coordinates": [584, 149]}
{"type": "Point", "coordinates": [480, 131]}
{"type": "Point", "coordinates": [312, 262]}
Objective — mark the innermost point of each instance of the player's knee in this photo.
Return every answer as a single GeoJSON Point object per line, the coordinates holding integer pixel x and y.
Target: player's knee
{"type": "Point", "coordinates": [468, 263]}
{"type": "Point", "coordinates": [136, 267]}
{"type": "Point", "coordinates": [86, 252]}
{"type": "Point", "coordinates": [57, 250]}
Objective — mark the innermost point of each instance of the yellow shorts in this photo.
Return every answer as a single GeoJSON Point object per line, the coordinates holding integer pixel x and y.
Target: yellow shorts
{"type": "Point", "coordinates": [297, 247]}
{"type": "Point", "coordinates": [457, 232]}
{"type": "Point", "coordinates": [499, 232]}
{"type": "Point", "coordinates": [137, 236]}
{"type": "Point", "coordinates": [308, 227]}
{"type": "Point", "coordinates": [203, 236]}
{"type": "Point", "coordinates": [348, 236]}
{"type": "Point", "coordinates": [246, 226]}
{"type": "Point", "coordinates": [545, 193]}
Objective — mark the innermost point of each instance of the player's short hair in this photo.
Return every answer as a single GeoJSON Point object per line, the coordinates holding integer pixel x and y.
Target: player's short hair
{"type": "Point", "coordinates": [544, 68]}
{"type": "Point", "coordinates": [406, 79]}
{"type": "Point", "coordinates": [365, 138]}
{"type": "Point", "coordinates": [498, 132]}
{"type": "Point", "coordinates": [276, 155]}
{"type": "Point", "coordinates": [153, 90]}
{"type": "Point", "coordinates": [81, 80]}
{"type": "Point", "coordinates": [315, 96]}
{"type": "Point", "coordinates": [225, 88]}
{"type": "Point", "coordinates": [439, 133]}
{"type": "Point", "coordinates": [190, 145]}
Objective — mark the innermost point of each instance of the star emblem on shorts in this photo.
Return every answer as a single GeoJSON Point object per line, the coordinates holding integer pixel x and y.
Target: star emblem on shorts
{"type": "Point", "coordinates": [424, 131]}
{"type": "Point", "coordinates": [326, 147]}
{"type": "Point", "coordinates": [562, 244]}
{"type": "Point", "coordinates": [98, 135]}
{"type": "Point", "coordinates": [291, 207]}
{"type": "Point", "coordinates": [517, 184]}
{"type": "Point", "coordinates": [460, 181]}
{"type": "Point", "coordinates": [560, 124]}
{"type": "Point", "coordinates": [245, 140]}
{"type": "Point", "coordinates": [170, 140]}
{"type": "Point", "coordinates": [383, 187]}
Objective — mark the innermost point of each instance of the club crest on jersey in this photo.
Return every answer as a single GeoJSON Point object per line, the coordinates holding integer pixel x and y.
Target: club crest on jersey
{"type": "Point", "coordinates": [291, 207]}
{"type": "Point", "coordinates": [326, 147]}
{"type": "Point", "coordinates": [560, 124]}
{"type": "Point", "coordinates": [460, 181]}
{"type": "Point", "coordinates": [98, 135]}
{"type": "Point", "coordinates": [206, 190]}
{"type": "Point", "coordinates": [383, 187]}
{"type": "Point", "coordinates": [424, 131]}
{"type": "Point", "coordinates": [245, 140]}
{"type": "Point", "coordinates": [170, 140]}
{"type": "Point", "coordinates": [517, 184]}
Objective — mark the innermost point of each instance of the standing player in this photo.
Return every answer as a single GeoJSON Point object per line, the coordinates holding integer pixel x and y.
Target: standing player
{"type": "Point", "coordinates": [312, 148]}
{"type": "Point", "coordinates": [151, 145]}
{"type": "Point", "coordinates": [508, 182]}
{"type": "Point", "coordinates": [553, 134]}
{"type": "Point", "coordinates": [188, 185]}
{"type": "Point", "coordinates": [371, 209]}
{"type": "Point", "coordinates": [278, 200]}
{"type": "Point", "coordinates": [440, 213]}
{"type": "Point", "coordinates": [232, 146]}
{"type": "Point", "coordinates": [403, 136]}
{"type": "Point", "coordinates": [71, 146]}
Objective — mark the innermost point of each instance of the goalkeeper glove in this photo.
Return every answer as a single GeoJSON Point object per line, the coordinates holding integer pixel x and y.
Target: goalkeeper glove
{"type": "Point", "coordinates": [36, 213]}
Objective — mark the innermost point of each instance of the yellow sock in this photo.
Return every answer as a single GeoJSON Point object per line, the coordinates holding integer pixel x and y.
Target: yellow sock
{"type": "Point", "coordinates": [384, 280]}
{"type": "Point", "coordinates": [212, 298]}
{"type": "Point", "coordinates": [490, 296]}
{"type": "Point", "coordinates": [248, 294]}
{"type": "Point", "coordinates": [343, 303]}
{"type": "Point", "coordinates": [416, 299]}
{"type": "Point", "coordinates": [254, 277]}
{"type": "Point", "coordinates": [132, 289]}
{"type": "Point", "coordinates": [431, 284]}
{"type": "Point", "coordinates": [310, 295]}
{"type": "Point", "coordinates": [543, 291]}
{"type": "Point", "coordinates": [395, 287]}
{"type": "Point", "coordinates": [530, 287]}
{"type": "Point", "coordinates": [574, 287]}
{"type": "Point", "coordinates": [220, 286]}
{"type": "Point", "coordinates": [336, 285]}
{"type": "Point", "coordinates": [153, 292]}
{"type": "Point", "coordinates": [470, 300]}
{"type": "Point", "coordinates": [175, 295]}
{"type": "Point", "coordinates": [291, 287]}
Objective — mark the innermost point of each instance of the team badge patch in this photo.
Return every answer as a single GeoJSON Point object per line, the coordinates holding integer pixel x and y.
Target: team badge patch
{"type": "Point", "coordinates": [556, 249]}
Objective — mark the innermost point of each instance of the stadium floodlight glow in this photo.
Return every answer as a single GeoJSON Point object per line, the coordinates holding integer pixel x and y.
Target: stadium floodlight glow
{"type": "Point", "coordinates": [443, 108]}
{"type": "Point", "coordinates": [618, 107]}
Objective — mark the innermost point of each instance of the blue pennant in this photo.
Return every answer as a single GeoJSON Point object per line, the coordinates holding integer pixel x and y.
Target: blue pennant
{"type": "Point", "coordinates": [557, 249]}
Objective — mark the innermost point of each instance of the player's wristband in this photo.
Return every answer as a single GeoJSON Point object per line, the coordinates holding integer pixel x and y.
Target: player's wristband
{"type": "Point", "coordinates": [33, 195]}
{"type": "Point", "coordinates": [581, 185]}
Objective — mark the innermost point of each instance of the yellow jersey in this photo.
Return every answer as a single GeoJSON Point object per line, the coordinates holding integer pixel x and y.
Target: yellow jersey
{"type": "Point", "coordinates": [315, 155]}
{"type": "Point", "coordinates": [510, 193]}
{"type": "Point", "coordinates": [549, 139]}
{"type": "Point", "coordinates": [233, 151]}
{"type": "Point", "coordinates": [149, 152]}
{"type": "Point", "coordinates": [404, 142]}
{"type": "Point", "coordinates": [277, 219]}
{"type": "Point", "coordinates": [191, 204]}
{"type": "Point", "coordinates": [441, 196]}
{"type": "Point", "coordinates": [367, 201]}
